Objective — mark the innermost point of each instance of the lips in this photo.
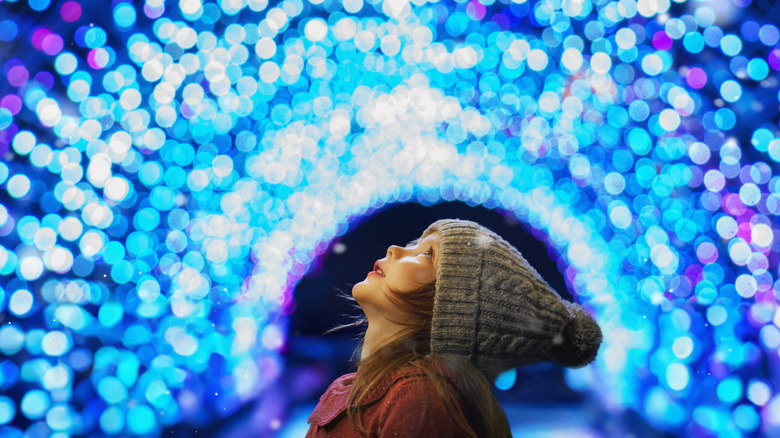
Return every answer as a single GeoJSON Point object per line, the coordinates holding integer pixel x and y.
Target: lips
{"type": "Point", "coordinates": [378, 269]}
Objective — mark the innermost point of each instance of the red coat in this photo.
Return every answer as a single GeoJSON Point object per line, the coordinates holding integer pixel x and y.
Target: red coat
{"type": "Point", "coordinates": [393, 408]}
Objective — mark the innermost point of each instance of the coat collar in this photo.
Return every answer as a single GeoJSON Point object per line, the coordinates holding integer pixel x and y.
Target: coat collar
{"type": "Point", "coordinates": [334, 402]}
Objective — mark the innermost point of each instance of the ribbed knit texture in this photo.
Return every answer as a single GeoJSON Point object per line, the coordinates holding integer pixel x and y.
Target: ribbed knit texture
{"type": "Point", "coordinates": [493, 309]}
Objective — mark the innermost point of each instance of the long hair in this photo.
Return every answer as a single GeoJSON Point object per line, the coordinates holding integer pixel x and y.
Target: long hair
{"type": "Point", "coordinates": [458, 383]}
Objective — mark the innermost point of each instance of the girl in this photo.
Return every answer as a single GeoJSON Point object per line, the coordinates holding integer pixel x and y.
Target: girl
{"type": "Point", "coordinates": [445, 315]}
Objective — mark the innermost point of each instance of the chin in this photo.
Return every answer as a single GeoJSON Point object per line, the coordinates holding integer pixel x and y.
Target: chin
{"type": "Point", "coordinates": [358, 287]}
{"type": "Point", "coordinates": [360, 291]}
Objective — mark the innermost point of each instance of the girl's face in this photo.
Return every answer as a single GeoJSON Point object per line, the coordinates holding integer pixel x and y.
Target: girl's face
{"type": "Point", "coordinates": [403, 270]}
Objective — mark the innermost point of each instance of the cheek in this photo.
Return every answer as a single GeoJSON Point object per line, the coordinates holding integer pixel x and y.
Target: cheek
{"type": "Point", "coordinates": [425, 277]}
{"type": "Point", "coordinates": [414, 279]}
{"type": "Point", "coordinates": [425, 273]}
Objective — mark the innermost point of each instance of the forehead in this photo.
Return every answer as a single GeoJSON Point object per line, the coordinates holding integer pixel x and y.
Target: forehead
{"type": "Point", "coordinates": [432, 238]}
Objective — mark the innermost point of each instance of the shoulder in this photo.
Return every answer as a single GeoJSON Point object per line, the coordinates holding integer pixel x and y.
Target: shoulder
{"type": "Point", "coordinates": [411, 406]}
{"type": "Point", "coordinates": [405, 403]}
{"type": "Point", "coordinates": [395, 380]}
{"type": "Point", "coordinates": [406, 383]}
{"type": "Point", "coordinates": [334, 401]}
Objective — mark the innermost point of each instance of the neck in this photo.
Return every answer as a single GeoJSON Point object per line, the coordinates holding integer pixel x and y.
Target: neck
{"type": "Point", "coordinates": [376, 333]}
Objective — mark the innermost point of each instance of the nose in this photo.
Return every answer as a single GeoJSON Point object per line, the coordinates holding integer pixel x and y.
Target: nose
{"type": "Point", "coordinates": [393, 251]}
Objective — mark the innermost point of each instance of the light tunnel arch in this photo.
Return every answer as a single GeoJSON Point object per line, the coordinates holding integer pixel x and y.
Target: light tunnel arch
{"type": "Point", "coordinates": [592, 278]}
{"type": "Point", "coordinates": [686, 221]}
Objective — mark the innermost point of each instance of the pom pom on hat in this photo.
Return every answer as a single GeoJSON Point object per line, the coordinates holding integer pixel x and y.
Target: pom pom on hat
{"type": "Point", "coordinates": [579, 342]}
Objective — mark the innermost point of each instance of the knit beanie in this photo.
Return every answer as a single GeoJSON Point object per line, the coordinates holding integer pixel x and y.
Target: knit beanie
{"type": "Point", "coordinates": [494, 310]}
